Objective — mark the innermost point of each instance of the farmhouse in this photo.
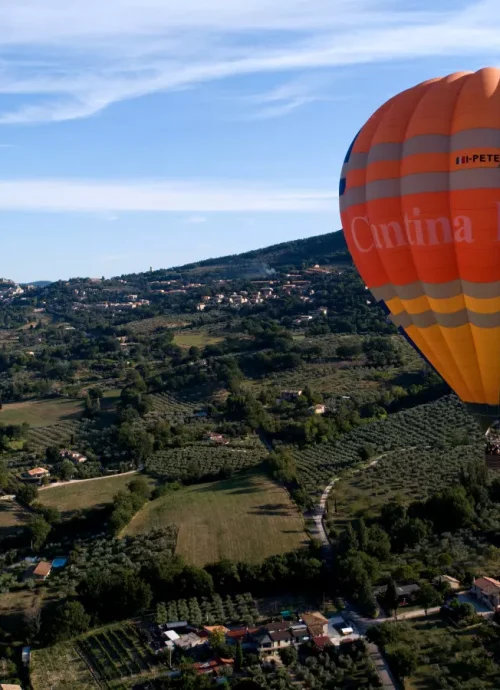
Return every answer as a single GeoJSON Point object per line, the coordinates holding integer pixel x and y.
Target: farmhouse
{"type": "Point", "coordinates": [42, 571]}
{"type": "Point", "coordinates": [217, 438]}
{"type": "Point", "coordinates": [487, 590]}
{"type": "Point", "coordinates": [448, 579]}
{"type": "Point", "coordinates": [36, 474]}
{"type": "Point", "coordinates": [73, 455]}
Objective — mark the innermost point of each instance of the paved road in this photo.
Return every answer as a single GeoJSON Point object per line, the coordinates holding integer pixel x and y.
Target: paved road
{"type": "Point", "coordinates": [383, 670]}
{"type": "Point", "coordinates": [79, 481]}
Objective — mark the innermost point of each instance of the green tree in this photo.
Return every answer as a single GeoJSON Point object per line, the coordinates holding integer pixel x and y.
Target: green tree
{"type": "Point", "coordinates": [27, 493]}
{"type": "Point", "coordinates": [66, 470]}
{"type": "Point", "coordinates": [161, 613]}
{"type": "Point", "coordinates": [238, 658]}
{"type": "Point", "coordinates": [428, 597]}
{"type": "Point", "coordinates": [402, 660]}
{"type": "Point", "coordinates": [289, 655]}
{"type": "Point", "coordinates": [362, 534]}
{"type": "Point", "coordinates": [52, 455]}
{"type": "Point", "coordinates": [69, 620]}
{"type": "Point", "coordinates": [391, 597]}
{"type": "Point", "coordinates": [216, 639]}
{"type": "Point", "coordinates": [39, 530]}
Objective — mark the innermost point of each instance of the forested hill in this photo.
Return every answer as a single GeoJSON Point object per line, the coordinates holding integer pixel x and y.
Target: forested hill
{"type": "Point", "coordinates": [318, 249]}
{"type": "Point", "coordinates": [321, 249]}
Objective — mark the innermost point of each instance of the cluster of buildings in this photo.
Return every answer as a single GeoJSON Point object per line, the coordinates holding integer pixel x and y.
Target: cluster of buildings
{"type": "Point", "coordinates": [37, 474]}
{"type": "Point", "coordinates": [9, 291]}
{"type": "Point", "coordinates": [266, 640]}
{"type": "Point", "coordinates": [118, 306]}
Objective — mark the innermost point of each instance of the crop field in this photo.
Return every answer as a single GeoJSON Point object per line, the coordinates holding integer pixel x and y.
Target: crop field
{"type": "Point", "coordinates": [109, 657]}
{"type": "Point", "coordinates": [204, 460]}
{"type": "Point", "coordinates": [81, 495]}
{"type": "Point", "coordinates": [195, 339]}
{"type": "Point", "coordinates": [167, 407]}
{"type": "Point", "coordinates": [60, 667]}
{"type": "Point", "coordinates": [407, 475]}
{"type": "Point", "coordinates": [41, 412]}
{"type": "Point", "coordinates": [334, 378]}
{"type": "Point", "coordinates": [245, 518]}
{"type": "Point", "coordinates": [59, 434]}
{"type": "Point", "coordinates": [12, 517]}
{"type": "Point", "coordinates": [440, 425]}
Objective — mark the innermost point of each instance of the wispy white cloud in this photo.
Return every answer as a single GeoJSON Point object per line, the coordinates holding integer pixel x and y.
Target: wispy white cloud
{"type": "Point", "coordinates": [195, 220]}
{"type": "Point", "coordinates": [80, 57]}
{"type": "Point", "coordinates": [106, 197]}
{"type": "Point", "coordinates": [290, 96]}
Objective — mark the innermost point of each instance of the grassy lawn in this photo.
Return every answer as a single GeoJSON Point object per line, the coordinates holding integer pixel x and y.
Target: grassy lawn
{"type": "Point", "coordinates": [12, 516]}
{"type": "Point", "coordinates": [195, 338]}
{"type": "Point", "coordinates": [245, 518]}
{"type": "Point", "coordinates": [86, 494]}
{"type": "Point", "coordinates": [41, 412]}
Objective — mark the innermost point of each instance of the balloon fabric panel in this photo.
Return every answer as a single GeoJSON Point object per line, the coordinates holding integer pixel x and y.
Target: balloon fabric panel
{"type": "Point", "coordinates": [420, 207]}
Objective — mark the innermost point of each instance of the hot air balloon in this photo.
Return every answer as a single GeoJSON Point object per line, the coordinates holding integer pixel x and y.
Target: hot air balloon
{"type": "Point", "coordinates": [420, 206]}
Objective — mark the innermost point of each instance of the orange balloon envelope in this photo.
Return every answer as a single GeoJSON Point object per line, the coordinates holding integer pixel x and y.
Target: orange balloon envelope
{"type": "Point", "coordinates": [420, 205]}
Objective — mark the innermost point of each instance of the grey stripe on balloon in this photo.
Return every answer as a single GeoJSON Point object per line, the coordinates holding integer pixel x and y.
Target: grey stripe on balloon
{"type": "Point", "coordinates": [482, 137]}
{"type": "Point", "coordinates": [421, 183]}
{"type": "Point", "coordinates": [437, 290]}
{"type": "Point", "coordinates": [426, 319]}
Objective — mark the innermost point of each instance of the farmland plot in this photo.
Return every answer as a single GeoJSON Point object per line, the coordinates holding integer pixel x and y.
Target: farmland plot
{"type": "Point", "coordinates": [440, 425]}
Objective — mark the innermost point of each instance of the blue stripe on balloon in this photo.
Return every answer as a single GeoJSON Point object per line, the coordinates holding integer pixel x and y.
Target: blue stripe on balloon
{"type": "Point", "coordinates": [349, 150]}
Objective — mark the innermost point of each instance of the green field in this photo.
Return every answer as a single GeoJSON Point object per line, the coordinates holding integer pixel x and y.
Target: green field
{"type": "Point", "coordinates": [246, 518]}
{"type": "Point", "coordinates": [12, 517]}
{"type": "Point", "coordinates": [85, 494]}
{"type": "Point", "coordinates": [195, 338]}
{"type": "Point", "coordinates": [41, 412]}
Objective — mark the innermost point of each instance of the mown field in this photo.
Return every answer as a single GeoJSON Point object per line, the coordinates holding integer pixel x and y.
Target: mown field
{"type": "Point", "coordinates": [85, 494]}
{"type": "Point", "coordinates": [41, 412]}
{"type": "Point", "coordinates": [12, 517]}
{"type": "Point", "coordinates": [247, 517]}
{"type": "Point", "coordinates": [195, 339]}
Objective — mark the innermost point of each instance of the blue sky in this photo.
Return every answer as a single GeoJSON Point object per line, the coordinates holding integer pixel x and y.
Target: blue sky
{"type": "Point", "coordinates": [138, 133]}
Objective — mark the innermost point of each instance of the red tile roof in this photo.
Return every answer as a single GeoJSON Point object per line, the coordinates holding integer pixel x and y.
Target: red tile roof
{"type": "Point", "coordinates": [321, 641]}
{"type": "Point", "coordinates": [43, 569]}
{"type": "Point", "coordinates": [488, 585]}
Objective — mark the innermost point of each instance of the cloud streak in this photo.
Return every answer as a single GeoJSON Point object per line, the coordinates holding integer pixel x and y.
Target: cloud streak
{"type": "Point", "coordinates": [81, 57]}
{"type": "Point", "coordinates": [167, 196]}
